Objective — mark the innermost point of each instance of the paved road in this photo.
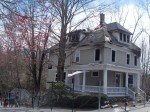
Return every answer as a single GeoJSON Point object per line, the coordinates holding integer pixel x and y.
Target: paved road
{"type": "Point", "coordinates": [119, 109]}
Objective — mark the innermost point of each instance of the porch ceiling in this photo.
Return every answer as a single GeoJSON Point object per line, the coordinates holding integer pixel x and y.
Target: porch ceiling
{"type": "Point", "coordinates": [96, 66]}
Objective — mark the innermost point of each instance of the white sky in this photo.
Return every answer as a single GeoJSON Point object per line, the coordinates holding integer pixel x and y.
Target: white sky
{"type": "Point", "coordinates": [132, 12]}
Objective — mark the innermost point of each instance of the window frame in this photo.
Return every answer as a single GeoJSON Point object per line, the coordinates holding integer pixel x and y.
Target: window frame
{"type": "Point", "coordinates": [121, 35]}
{"type": "Point", "coordinates": [135, 60]}
{"type": "Point", "coordinates": [128, 39]}
{"type": "Point", "coordinates": [93, 72]}
{"type": "Point", "coordinates": [112, 56]}
{"type": "Point", "coordinates": [124, 38]}
{"type": "Point", "coordinates": [95, 55]}
{"type": "Point", "coordinates": [128, 60]}
{"type": "Point", "coordinates": [77, 55]}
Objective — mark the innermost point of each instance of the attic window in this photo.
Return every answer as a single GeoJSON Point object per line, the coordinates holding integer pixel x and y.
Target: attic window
{"type": "Point", "coordinates": [74, 38]}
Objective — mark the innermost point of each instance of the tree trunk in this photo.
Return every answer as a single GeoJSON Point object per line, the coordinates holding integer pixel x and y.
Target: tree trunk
{"type": "Point", "coordinates": [61, 56]}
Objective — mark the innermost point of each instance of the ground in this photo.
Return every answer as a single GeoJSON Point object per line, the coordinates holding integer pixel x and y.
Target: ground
{"type": "Point", "coordinates": [140, 108]}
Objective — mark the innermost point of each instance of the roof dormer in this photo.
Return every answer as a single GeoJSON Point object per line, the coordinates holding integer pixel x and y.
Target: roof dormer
{"type": "Point", "coordinates": [124, 37]}
{"type": "Point", "coordinates": [76, 36]}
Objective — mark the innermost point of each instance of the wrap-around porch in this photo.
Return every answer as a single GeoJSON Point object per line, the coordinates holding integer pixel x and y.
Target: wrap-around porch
{"type": "Point", "coordinates": [109, 82]}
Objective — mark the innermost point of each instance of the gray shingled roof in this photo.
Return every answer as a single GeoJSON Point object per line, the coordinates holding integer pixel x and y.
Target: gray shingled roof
{"type": "Point", "coordinates": [116, 26]}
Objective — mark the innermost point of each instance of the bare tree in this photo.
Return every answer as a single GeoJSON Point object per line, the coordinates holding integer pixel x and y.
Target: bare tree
{"type": "Point", "coordinates": [65, 12]}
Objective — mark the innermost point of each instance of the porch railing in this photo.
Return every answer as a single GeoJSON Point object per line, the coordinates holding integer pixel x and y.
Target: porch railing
{"type": "Point", "coordinates": [131, 93]}
{"type": "Point", "coordinates": [116, 91]}
{"type": "Point", "coordinates": [93, 89]}
{"type": "Point", "coordinates": [142, 94]}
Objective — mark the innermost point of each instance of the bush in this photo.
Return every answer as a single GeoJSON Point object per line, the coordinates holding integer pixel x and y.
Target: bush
{"type": "Point", "coordinates": [62, 96]}
{"type": "Point", "coordinates": [86, 101]}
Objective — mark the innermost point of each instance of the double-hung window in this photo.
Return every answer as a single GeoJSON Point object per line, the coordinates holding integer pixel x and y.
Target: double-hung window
{"type": "Point", "coordinates": [128, 59]}
{"type": "Point", "coordinates": [77, 56]}
{"type": "Point", "coordinates": [97, 55]}
{"type": "Point", "coordinates": [113, 55]}
{"type": "Point", "coordinates": [135, 60]}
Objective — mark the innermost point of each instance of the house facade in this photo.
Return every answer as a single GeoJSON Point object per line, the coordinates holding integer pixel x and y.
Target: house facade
{"type": "Point", "coordinates": [101, 60]}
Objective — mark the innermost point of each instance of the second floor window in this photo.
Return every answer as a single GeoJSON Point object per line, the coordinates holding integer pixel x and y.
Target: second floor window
{"type": "Point", "coordinates": [124, 37]}
{"type": "Point", "coordinates": [77, 56]}
{"type": "Point", "coordinates": [120, 36]}
{"type": "Point", "coordinates": [113, 56]}
{"type": "Point", "coordinates": [97, 54]}
{"type": "Point", "coordinates": [128, 59]}
{"type": "Point", "coordinates": [135, 60]}
{"type": "Point", "coordinates": [128, 38]}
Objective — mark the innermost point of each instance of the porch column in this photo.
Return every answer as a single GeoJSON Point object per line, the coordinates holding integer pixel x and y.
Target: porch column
{"type": "Point", "coordinates": [83, 84]}
{"type": "Point", "coordinates": [66, 78]}
{"type": "Point", "coordinates": [138, 81]}
{"type": "Point", "coordinates": [127, 82]}
{"type": "Point", "coordinates": [105, 80]}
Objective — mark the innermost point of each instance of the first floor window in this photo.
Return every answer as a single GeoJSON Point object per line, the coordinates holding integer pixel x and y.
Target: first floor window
{"type": "Point", "coordinates": [130, 80]}
{"type": "Point", "coordinates": [95, 74]}
{"type": "Point", "coordinates": [77, 56]}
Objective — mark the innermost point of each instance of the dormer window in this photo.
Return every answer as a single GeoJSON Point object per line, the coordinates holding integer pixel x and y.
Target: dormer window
{"type": "Point", "coordinates": [74, 38]}
{"type": "Point", "coordinates": [124, 38]}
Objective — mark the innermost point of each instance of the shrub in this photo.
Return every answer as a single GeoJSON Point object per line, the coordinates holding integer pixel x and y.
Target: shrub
{"type": "Point", "coordinates": [62, 96]}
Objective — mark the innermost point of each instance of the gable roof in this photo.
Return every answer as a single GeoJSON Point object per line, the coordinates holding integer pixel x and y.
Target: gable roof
{"type": "Point", "coordinates": [116, 26]}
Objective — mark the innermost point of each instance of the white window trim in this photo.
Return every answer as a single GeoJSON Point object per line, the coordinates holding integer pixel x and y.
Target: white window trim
{"type": "Point", "coordinates": [95, 54]}
{"type": "Point", "coordinates": [115, 55]}
{"type": "Point", "coordinates": [92, 73]}
{"type": "Point", "coordinates": [76, 56]}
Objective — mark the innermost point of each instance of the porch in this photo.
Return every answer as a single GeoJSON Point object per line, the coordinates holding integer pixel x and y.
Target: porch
{"type": "Point", "coordinates": [112, 82]}
{"type": "Point", "coordinates": [111, 91]}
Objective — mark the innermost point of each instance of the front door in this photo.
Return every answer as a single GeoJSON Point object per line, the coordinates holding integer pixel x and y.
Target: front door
{"type": "Point", "coordinates": [118, 80]}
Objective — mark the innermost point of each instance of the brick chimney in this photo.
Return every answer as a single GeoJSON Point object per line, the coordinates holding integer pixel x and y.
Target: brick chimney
{"type": "Point", "coordinates": [102, 19]}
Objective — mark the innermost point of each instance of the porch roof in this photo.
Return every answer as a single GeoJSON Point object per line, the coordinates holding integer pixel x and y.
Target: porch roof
{"type": "Point", "coordinates": [96, 66]}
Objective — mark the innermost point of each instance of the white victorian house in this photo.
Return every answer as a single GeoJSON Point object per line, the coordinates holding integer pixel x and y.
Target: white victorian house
{"type": "Point", "coordinates": [102, 60]}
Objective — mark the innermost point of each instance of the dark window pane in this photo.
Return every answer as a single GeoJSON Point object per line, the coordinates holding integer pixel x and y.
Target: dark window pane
{"type": "Point", "coordinates": [124, 37]}
{"type": "Point", "coordinates": [135, 60]}
{"type": "Point", "coordinates": [95, 74]}
{"type": "Point", "coordinates": [128, 39]}
{"type": "Point", "coordinates": [120, 36]}
{"type": "Point", "coordinates": [97, 54]}
{"type": "Point", "coordinates": [128, 59]}
{"type": "Point", "coordinates": [130, 79]}
{"type": "Point", "coordinates": [113, 55]}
